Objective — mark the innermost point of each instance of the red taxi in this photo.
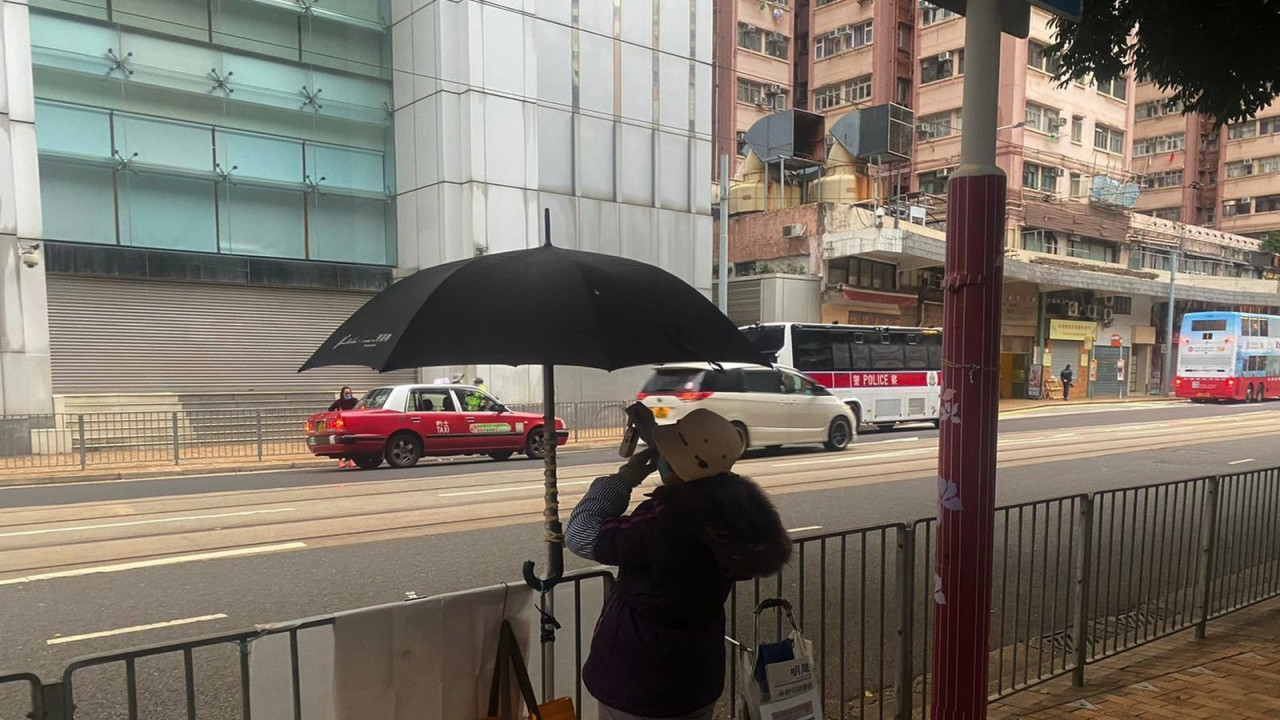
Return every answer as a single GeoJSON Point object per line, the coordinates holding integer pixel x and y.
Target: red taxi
{"type": "Point", "coordinates": [402, 424]}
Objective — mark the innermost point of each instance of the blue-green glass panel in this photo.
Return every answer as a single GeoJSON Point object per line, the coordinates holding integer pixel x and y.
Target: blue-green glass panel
{"type": "Point", "coordinates": [71, 44]}
{"type": "Point", "coordinates": [166, 211]}
{"type": "Point", "coordinates": [261, 221]}
{"type": "Point", "coordinates": [73, 130]}
{"type": "Point", "coordinates": [165, 143]}
{"type": "Point", "coordinates": [348, 229]}
{"type": "Point", "coordinates": [77, 202]}
{"type": "Point", "coordinates": [347, 168]}
{"type": "Point", "coordinates": [248, 155]}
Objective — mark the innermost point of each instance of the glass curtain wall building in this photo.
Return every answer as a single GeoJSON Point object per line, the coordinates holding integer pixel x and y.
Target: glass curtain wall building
{"type": "Point", "coordinates": [245, 127]}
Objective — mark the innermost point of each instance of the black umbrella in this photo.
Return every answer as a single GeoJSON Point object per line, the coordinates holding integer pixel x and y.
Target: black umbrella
{"type": "Point", "coordinates": [545, 306]}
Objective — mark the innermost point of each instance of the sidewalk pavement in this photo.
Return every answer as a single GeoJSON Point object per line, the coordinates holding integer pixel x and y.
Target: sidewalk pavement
{"type": "Point", "coordinates": [1232, 673]}
{"type": "Point", "coordinates": [243, 459]}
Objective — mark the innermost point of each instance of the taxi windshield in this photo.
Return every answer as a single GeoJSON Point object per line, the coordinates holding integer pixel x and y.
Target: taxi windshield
{"type": "Point", "coordinates": [375, 399]}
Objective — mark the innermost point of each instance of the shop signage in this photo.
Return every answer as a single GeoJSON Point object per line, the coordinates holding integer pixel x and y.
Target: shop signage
{"type": "Point", "coordinates": [1116, 340]}
{"type": "Point", "coordinates": [1078, 330]}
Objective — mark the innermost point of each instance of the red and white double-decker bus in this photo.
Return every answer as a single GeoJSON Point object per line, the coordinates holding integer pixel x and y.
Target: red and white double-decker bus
{"type": "Point", "coordinates": [887, 375]}
{"type": "Point", "coordinates": [1228, 356]}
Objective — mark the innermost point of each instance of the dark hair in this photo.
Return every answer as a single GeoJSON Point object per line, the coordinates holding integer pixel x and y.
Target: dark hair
{"type": "Point", "coordinates": [345, 388]}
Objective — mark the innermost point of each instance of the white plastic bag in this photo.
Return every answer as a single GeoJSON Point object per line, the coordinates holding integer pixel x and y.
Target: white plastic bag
{"type": "Point", "coordinates": [790, 690]}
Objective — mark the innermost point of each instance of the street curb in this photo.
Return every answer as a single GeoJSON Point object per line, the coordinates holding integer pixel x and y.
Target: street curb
{"type": "Point", "coordinates": [1074, 403]}
{"type": "Point", "coordinates": [179, 471]}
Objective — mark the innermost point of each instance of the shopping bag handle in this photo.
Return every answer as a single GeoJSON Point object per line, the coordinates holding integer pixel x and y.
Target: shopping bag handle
{"type": "Point", "coordinates": [510, 659]}
{"type": "Point", "coordinates": [769, 604]}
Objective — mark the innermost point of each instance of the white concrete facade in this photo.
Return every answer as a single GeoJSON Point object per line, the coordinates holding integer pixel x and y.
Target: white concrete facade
{"type": "Point", "coordinates": [600, 112]}
{"type": "Point", "coordinates": [25, 383]}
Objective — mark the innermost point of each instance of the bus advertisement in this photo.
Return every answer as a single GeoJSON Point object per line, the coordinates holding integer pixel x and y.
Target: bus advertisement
{"type": "Point", "coordinates": [886, 375]}
{"type": "Point", "coordinates": [1228, 356]}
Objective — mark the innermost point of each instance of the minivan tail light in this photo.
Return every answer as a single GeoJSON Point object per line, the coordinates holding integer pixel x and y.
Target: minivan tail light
{"type": "Point", "coordinates": [339, 423]}
{"type": "Point", "coordinates": [694, 396]}
{"type": "Point", "coordinates": [641, 396]}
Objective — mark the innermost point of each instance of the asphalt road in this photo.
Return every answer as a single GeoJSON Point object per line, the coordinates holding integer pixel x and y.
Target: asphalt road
{"type": "Point", "coordinates": [466, 528]}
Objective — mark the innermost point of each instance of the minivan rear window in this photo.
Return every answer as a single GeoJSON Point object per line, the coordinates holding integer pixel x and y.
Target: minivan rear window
{"type": "Point", "coordinates": [672, 381]}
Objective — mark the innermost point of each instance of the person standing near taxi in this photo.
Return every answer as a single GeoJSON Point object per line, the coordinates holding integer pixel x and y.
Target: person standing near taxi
{"type": "Point", "coordinates": [346, 401]}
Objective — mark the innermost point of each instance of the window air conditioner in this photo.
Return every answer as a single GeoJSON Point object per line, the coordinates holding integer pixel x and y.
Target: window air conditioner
{"type": "Point", "coordinates": [1245, 200]}
{"type": "Point", "coordinates": [792, 231]}
{"type": "Point", "coordinates": [1058, 172]}
{"type": "Point", "coordinates": [943, 172]}
{"type": "Point", "coordinates": [1073, 309]}
{"type": "Point", "coordinates": [944, 56]}
{"type": "Point", "coordinates": [773, 89]}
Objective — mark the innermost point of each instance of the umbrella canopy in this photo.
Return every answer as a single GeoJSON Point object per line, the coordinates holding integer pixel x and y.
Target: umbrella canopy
{"type": "Point", "coordinates": [545, 306]}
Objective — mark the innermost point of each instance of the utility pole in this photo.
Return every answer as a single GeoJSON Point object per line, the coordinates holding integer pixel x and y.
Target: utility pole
{"type": "Point", "coordinates": [722, 290]}
{"type": "Point", "coordinates": [973, 289]}
{"type": "Point", "coordinates": [1166, 374]}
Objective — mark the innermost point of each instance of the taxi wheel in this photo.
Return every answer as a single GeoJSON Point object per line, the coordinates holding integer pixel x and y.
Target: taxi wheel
{"type": "Point", "coordinates": [500, 456]}
{"type": "Point", "coordinates": [369, 462]}
{"type": "Point", "coordinates": [403, 450]}
{"type": "Point", "coordinates": [535, 446]}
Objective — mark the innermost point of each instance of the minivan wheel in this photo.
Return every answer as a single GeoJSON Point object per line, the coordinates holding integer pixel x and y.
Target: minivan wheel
{"type": "Point", "coordinates": [535, 446]}
{"type": "Point", "coordinates": [742, 433]}
{"type": "Point", "coordinates": [838, 435]}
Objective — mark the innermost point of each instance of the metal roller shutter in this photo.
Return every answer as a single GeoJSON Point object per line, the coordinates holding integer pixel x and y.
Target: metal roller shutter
{"type": "Point", "coordinates": [122, 336]}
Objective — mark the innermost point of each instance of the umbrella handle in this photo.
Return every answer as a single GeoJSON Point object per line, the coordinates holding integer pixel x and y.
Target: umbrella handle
{"type": "Point", "coordinates": [554, 576]}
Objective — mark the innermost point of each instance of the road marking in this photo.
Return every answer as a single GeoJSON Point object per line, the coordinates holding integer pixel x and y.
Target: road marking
{"type": "Point", "coordinates": [131, 523]}
{"type": "Point", "coordinates": [852, 457]}
{"type": "Point", "coordinates": [1240, 462]}
{"type": "Point", "coordinates": [158, 562]}
{"type": "Point", "coordinates": [805, 529]}
{"type": "Point", "coordinates": [134, 629]}
{"type": "Point", "coordinates": [514, 488]}
{"type": "Point", "coordinates": [886, 442]}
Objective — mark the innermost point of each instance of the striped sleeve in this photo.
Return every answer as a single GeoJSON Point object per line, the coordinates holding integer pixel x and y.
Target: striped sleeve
{"type": "Point", "coordinates": [607, 499]}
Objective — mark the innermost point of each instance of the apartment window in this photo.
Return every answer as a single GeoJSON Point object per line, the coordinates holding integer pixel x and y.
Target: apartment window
{"type": "Point", "coordinates": [1159, 144]}
{"type": "Point", "coordinates": [902, 91]}
{"type": "Point", "coordinates": [1239, 169]}
{"type": "Point", "coordinates": [935, 182]}
{"type": "Point", "coordinates": [1078, 187]}
{"type": "Point", "coordinates": [1166, 179]}
{"type": "Point", "coordinates": [1043, 119]}
{"type": "Point", "coordinates": [1238, 206]}
{"type": "Point", "coordinates": [1039, 57]}
{"type": "Point", "coordinates": [1270, 203]}
{"type": "Point", "coordinates": [777, 45]}
{"type": "Point", "coordinates": [1077, 130]}
{"type": "Point", "coordinates": [843, 39]}
{"type": "Point", "coordinates": [742, 143]}
{"type": "Point", "coordinates": [1040, 177]}
{"type": "Point", "coordinates": [1156, 108]}
{"type": "Point", "coordinates": [1108, 139]}
{"type": "Point", "coordinates": [942, 66]}
{"type": "Point", "coordinates": [1242, 131]}
{"type": "Point", "coordinates": [851, 91]}
{"type": "Point", "coordinates": [1041, 241]}
{"type": "Point", "coordinates": [1173, 213]}
{"type": "Point", "coordinates": [1269, 126]}
{"type": "Point", "coordinates": [1115, 87]}
{"type": "Point", "coordinates": [750, 37]}
{"type": "Point", "coordinates": [865, 273]}
{"type": "Point", "coordinates": [1090, 249]}
{"type": "Point", "coordinates": [751, 92]}
{"type": "Point", "coordinates": [931, 13]}
{"type": "Point", "coordinates": [1267, 165]}
{"type": "Point", "coordinates": [820, 3]}
{"type": "Point", "coordinates": [938, 125]}
{"type": "Point", "coordinates": [906, 37]}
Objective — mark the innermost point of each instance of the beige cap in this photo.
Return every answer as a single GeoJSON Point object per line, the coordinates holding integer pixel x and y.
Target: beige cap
{"type": "Point", "coordinates": [699, 445]}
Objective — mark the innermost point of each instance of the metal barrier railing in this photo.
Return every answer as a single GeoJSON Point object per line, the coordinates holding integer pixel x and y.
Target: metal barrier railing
{"type": "Point", "coordinates": [81, 440]}
{"type": "Point", "coordinates": [1076, 579]}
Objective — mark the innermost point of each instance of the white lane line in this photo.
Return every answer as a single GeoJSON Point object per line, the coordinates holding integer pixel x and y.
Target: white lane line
{"type": "Point", "coordinates": [514, 488]}
{"type": "Point", "coordinates": [886, 442]}
{"type": "Point", "coordinates": [1240, 462]}
{"type": "Point", "coordinates": [852, 457]}
{"type": "Point", "coordinates": [158, 562]}
{"type": "Point", "coordinates": [132, 523]}
{"type": "Point", "coordinates": [805, 529]}
{"type": "Point", "coordinates": [134, 629]}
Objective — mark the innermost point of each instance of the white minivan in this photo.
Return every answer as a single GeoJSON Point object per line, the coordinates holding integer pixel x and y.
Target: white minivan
{"type": "Point", "coordinates": [769, 406]}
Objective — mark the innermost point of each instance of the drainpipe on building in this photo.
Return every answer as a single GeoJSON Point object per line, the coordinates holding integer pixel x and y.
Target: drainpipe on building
{"type": "Point", "coordinates": [1166, 373]}
{"type": "Point", "coordinates": [976, 200]}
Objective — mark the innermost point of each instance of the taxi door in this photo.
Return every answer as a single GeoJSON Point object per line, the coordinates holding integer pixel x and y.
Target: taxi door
{"type": "Point", "coordinates": [433, 414]}
{"type": "Point", "coordinates": [488, 427]}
